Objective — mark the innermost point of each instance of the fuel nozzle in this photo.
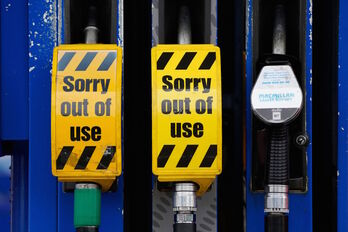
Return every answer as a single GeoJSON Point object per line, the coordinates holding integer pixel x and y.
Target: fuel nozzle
{"type": "Point", "coordinates": [277, 100]}
{"type": "Point", "coordinates": [184, 207]}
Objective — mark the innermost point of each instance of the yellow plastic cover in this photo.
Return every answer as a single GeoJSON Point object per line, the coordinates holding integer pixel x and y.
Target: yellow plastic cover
{"type": "Point", "coordinates": [186, 113]}
{"type": "Point", "coordinates": [86, 112]}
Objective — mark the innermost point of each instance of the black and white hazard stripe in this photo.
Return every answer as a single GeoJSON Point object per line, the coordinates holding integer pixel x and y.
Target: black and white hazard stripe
{"type": "Point", "coordinates": [85, 157]}
{"type": "Point", "coordinates": [187, 156]}
{"type": "Point", "coordinates": [86, 61]}
{"type": "Point", "coordinates": [186, 60]}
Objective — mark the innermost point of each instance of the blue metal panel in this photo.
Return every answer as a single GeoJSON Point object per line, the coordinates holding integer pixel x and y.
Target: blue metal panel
{"type": "Point", "coordinates": [49, 208]}
{"type": "Point", "coordinates": [112, 210]}
{"type": "Point", "coordinates": [39, 205]}
{"type": "Point", "coordinates": [14, 69]}
{"type": "Point", "coordinates": [19, 188]}
{"type": "Point", "coordinates": [42, 191]}
{"type": "Point", "coordinates": [342, 173]}
{"type": "Point", "coordinates": [300, 217]}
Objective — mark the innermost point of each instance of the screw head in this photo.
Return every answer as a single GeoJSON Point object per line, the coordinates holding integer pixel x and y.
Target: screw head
{"type": "Point", "coordinates": [302, 140]}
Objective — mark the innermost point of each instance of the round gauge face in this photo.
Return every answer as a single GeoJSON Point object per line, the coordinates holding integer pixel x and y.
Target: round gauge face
{"type": "Point", "coordinates": [276, 97]}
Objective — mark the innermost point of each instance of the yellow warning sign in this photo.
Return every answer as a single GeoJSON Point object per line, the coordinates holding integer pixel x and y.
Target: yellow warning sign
{"type": "Point", "coordinates": [186, 113]}
{"type": "Point", "coordinates": [86, 112]}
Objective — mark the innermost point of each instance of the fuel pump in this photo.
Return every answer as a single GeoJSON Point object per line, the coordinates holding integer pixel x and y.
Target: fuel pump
{"type": "Point", "coordinates": [277, 99]}
{"type": "Point", "coordinates": [186, 120]}
{"type": "Point", "coordinates": [86, 121]}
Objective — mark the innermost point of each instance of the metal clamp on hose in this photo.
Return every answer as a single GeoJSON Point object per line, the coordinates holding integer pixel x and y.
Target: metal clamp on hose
{"type": "Point", "coordinates": [276, 199]}
{"type": "Point", "coordinates": [185, 207]}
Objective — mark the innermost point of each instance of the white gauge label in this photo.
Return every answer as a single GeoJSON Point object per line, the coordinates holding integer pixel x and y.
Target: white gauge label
{"type": "Point", "coordinates": [276, 87]}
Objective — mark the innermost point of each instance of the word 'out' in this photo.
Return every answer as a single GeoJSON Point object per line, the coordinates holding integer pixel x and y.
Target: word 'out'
{"type": "Point", "coordinates": [80, 108]}
{"type": "Point", "coordinates": [183, 106]}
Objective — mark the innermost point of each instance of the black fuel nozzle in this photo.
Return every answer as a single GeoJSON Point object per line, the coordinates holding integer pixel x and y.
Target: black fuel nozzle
{"type": "Point", "coordinates": [277, 100]}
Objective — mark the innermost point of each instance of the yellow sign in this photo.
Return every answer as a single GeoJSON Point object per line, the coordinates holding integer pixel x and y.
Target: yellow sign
{"type": "Point", "coordinates": [86, 112]}
{"type": "Point", "coordinates": [186, 113]}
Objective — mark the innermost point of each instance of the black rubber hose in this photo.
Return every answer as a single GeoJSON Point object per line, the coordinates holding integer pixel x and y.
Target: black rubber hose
{"type": "Point", "coordinates": [278, 173]}
{"type": "Point", "coordinates": [278, 157]}
{"type": "Point", "coordinates": [276, 222]}
{"type": "Point", "coordinates": [184, 227]}
{"type": "Point", "coordinates": [87, 229]}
